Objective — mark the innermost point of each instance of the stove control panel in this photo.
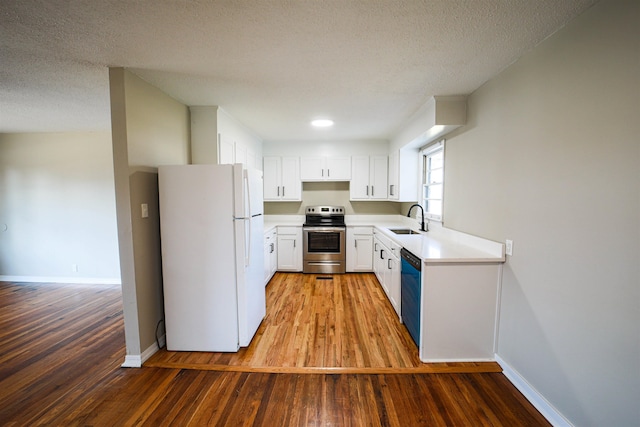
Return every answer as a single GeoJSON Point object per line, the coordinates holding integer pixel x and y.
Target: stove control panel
{"type": "Point", "coordinates": [325, 210]}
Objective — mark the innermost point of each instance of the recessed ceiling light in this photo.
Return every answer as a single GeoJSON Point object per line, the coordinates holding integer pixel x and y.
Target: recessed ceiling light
{"type": "Point", "coordinates": [322, 123]}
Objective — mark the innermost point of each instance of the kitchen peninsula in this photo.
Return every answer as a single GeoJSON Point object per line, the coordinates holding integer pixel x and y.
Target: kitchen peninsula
{"type": "Point", "coordinates": [459, 283]}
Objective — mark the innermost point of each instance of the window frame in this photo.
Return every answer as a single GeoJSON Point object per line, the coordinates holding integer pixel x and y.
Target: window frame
{"type": "Point", "coordinates": [426, 152]}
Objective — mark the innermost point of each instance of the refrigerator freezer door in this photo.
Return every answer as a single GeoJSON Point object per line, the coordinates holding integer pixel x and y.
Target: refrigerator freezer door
{"type": "Point", "coordinates": [248, 192]}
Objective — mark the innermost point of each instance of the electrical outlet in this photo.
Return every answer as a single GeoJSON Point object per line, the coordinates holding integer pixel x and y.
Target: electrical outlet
{"type": "Point", "coordinates": [145, 210]}
{"type": "Point", "coordinates": [509, 247]}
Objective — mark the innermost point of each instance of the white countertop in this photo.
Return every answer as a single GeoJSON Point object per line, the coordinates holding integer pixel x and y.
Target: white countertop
{"type": "Point", "coordinates": [272, 221]}
{"type": "Point", "coordinates": [438, 245]}
{"type": "Point", "coordinates": [441, 246]}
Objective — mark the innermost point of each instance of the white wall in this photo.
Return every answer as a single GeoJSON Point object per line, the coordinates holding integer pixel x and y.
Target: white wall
{"type": "Point", "coordinates": [149, 129]}
{"type": "Point", "coordinates": [57, 208]}
{"type": "Point", "coordinates": [550, 157]}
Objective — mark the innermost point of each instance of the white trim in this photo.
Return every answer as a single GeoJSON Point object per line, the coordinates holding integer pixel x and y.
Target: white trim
{"type": "Point", "coordinates": [459, 360]}
{"type": "Point", "coordinates": [532, 395]}
{"type": "Point", "coordinates": [136, 360]}
{"type": "Point", "coordinates": [73, 280]}
{"type": "Point", "coordinates": [132, 361]}
{"type": "Point", "coordinates": [434, 146]}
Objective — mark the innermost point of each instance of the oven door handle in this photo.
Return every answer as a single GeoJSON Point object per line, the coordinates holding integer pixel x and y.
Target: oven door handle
{"type": "Point", "coordinates": [324, 229]}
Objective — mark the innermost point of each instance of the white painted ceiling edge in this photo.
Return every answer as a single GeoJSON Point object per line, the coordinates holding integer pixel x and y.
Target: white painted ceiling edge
{"type": "Point", "coordinates": [274, 65]}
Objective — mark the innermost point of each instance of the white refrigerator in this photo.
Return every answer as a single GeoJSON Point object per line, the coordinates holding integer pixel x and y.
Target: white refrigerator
{"type": "Point", "coordinates": [211, 227]}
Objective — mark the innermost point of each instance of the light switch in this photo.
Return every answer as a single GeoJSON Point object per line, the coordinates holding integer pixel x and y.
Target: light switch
{"type": "Point", "coordinates": [145, 210]}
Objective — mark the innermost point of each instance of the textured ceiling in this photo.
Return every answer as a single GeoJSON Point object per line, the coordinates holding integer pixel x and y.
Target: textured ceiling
{"type": "Point", "coordinates": [272, 64]}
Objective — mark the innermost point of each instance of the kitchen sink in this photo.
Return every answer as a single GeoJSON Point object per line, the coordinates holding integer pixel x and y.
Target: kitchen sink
{"type": "Point", "coordinates": [403, 231]}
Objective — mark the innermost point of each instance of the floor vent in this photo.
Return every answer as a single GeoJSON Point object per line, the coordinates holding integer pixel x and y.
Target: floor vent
{"type": "Point", "coordinates": [324, 277]}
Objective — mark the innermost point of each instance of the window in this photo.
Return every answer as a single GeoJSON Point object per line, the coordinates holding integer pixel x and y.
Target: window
{"type": "Point", "coordinates": [433, 180]}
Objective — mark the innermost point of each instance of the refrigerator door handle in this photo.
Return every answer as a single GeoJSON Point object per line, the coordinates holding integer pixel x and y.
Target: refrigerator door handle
{"type": "Point", "coordinates": [247, 237]}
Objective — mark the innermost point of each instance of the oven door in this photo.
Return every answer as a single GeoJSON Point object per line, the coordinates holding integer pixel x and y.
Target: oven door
{"type": "Point", "coordinates": [324, 249]}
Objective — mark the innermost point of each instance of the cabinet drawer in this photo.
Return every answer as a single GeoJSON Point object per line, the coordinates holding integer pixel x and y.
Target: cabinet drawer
{"type": "Point", "coordinates": [368, 231]}
{"type": "Point", "coordinates": [288, 230]}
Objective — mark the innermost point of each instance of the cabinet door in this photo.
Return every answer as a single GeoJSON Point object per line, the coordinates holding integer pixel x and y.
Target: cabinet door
{"type": "Point", "coordinates": [394, 283]}
{"type": "Point", "coordinates": [272, 176]}
{"type": "Point", "coordinates": [364, 249]}
{"type": "Point", "coordinates": [338, 169]}
{"type": "Point", "coordinates": [291, 184]}
{"type": "Point", "coordinates": [351, 255]}
{"type": "Point", "coordinates": [267, 259]}
{"type": "Point", "coordinates": [273, 257]}
{"type": "Point", "coordinates": [287, 252]}
{"type": "Point", "coordinates": [383, 269]}
{"type": "Point", "coordinates": [378, 178]}
{"type": "Point", "coordinates": [406, 186]}
{"type": "Point", "coordinates": [251, 160]}
{"type": "Point", "coordinates": [290, 249]}
{"type": "Point", "coordinates": [359, 247]}
{"type": "Point", "coordinates": [359, 186]}
{"type": "Point", "coordinates": [270, 255]}
{"type": "Point", "coordinates": [225, 150]}
{"type": "Point", "coordinates": [379, 260]}
{"type": "Point", "coordinates": [394, 162]}
{"type": "Point", "coordinates": [240, 153]}
{"type": "Point", "coordinates": [312, 168]}
{"type": "Point", "coordinates": [325, 168]}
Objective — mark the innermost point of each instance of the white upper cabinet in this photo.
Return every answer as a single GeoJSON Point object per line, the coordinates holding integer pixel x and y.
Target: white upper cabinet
{"type": "Point", "coordinates": [403, 175]}
{"type": "Point", "coordinates": [240, 153]}
{"type": "Point", "coordinates": [394, 164]}
{"type": "Point", "coordinates": [325, 168]}
{"type": "Point", "coordinates": [369, 178]}
{"type": "Point", "coordinates": [217, 138]}
{"type": "Point", "coordinates": [282, 179]}
{"type": "Point", "coordinates": [226, 150]}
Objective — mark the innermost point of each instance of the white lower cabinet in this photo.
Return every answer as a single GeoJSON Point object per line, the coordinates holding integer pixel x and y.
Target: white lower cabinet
{"type": "Point", "coordinates": [386, 266]}
{"type": "Point", "coordinates": [289, 248]}
{"type": "Point", "coordinates": [270, 254]}
{"type": "Point", "coordinates": [359, 249]}
{"type": "Point", "coordinates": [459, 306]}
{"type": "Point", "coordinates": [393, 276]}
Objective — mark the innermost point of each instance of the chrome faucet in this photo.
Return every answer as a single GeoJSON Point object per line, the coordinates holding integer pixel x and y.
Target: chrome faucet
{"type": "Point", "coordinates": [422, 226]}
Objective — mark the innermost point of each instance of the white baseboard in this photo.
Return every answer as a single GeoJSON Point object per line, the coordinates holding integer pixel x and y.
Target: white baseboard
{"type": "Point", "coordinates": [537, 400]}
{"type": "Point", "coordinates": [136, 360]}
{"type": "Point", "coordinates": [132, 361]}
{"type": "Point", "coordinates": [72, 280]}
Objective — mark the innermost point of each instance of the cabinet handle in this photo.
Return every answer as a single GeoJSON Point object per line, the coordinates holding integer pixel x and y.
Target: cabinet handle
{"type": "Point", "coordinates": [278, 191]}
{"type": "Point", "coordinates": [381, 253]}
{"type": "Point", "coordinates": [372, 191]}
{"type": "Point", "coordinates": [375, 247]}
{"type": "Point", "coordinates": [391, 190]}
{"type": "Point", "coordinates": [355, 243]}
{"type": "Point", "coordinates": [272, 248]}
{"type": "Point", "coordinates": [328, 173]}
{"type": "Point", "coordinates": [294, 243]}
{"type": "Point", "coordinates": [367, 190]}
{"type": "Point", "coordinates": [283, 191]}
{"type": "Point", "coordinates": [322, 172]}
{"type": "Point", "coordinates": [389, 264]}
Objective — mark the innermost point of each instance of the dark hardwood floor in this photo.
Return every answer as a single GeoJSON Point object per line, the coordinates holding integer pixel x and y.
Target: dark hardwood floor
{"type": "Point", "coordinates": [61, 347]}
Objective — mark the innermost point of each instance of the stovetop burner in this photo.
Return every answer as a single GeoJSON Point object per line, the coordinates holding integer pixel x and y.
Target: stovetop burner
{"type": "Point", "coordinates": [324, 216]}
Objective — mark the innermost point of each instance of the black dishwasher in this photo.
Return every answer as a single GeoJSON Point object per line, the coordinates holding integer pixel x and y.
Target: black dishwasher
{"type": "Point", "coordinates": [410, 286]}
